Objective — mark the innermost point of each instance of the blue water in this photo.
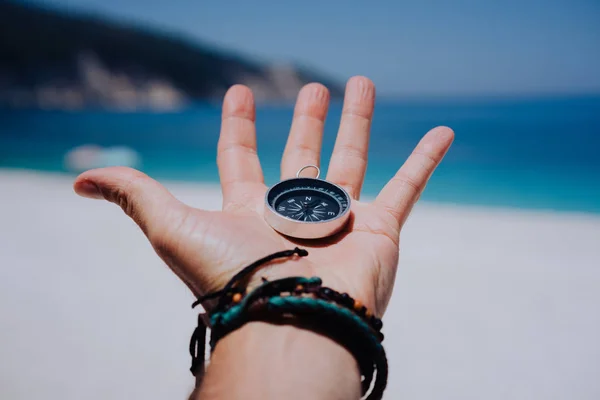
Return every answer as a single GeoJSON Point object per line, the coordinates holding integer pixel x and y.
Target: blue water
{"type": "Point", "coordinates": [528, 153]}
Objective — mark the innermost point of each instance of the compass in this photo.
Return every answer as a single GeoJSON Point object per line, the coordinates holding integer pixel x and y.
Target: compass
{"type": "Point", "coordinates": [307, 208]}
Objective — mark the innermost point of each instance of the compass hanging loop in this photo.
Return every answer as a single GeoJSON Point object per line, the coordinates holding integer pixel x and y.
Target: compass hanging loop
{"type": "Point", "coordinates": [307, 167]}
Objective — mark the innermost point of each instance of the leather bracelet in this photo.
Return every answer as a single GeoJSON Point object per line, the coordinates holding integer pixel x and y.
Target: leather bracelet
{"type": "Point", "coordinates": [302, 302]}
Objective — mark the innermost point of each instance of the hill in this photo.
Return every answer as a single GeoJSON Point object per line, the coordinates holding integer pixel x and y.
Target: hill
{"type": "Point", "coordinates": [60, 60]}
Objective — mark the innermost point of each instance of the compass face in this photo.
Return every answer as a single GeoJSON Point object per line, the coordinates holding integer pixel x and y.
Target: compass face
{"type": "Point", "coordinates": [307, 206]}
{"type": "Point", "coordinates": [308, 200]}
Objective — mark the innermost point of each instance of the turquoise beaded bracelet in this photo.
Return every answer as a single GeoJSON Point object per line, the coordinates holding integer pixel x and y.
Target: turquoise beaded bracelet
{"type": "Point", "coordinates": [303, 302]}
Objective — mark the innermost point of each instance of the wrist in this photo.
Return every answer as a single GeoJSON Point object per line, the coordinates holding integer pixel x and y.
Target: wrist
{"type": "Point", "coordinates": [267, 361]}
{"type": "Point", "coordinates": [274, 270]}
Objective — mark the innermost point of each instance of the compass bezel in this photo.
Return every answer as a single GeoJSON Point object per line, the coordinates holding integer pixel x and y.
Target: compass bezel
{"type": "Point", "coordinates": [307, 229]}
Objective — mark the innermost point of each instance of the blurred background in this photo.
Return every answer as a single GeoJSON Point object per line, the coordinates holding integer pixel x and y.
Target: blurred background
{"type": "Point", "coordinates": [499, 283]}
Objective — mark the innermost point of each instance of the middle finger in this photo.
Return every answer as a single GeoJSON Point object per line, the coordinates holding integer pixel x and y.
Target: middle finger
{"type": "Point", "coordinates": [304, 143]}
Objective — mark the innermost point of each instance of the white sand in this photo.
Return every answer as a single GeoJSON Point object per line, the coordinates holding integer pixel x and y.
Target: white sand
{"type": "Point", "coordinates": [489, 304]}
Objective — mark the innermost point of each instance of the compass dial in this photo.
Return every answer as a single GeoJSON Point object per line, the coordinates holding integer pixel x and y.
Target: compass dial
{"type": "Point", "coordinates": [307, 205]}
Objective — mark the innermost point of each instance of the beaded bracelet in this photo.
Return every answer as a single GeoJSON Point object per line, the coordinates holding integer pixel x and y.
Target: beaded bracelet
{"type": "Point", "coordinates": [303, 302]}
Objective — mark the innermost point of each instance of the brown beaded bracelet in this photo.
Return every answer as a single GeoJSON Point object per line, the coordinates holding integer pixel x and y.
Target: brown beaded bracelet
{"type": "Point", "coordinates": [300, 301]}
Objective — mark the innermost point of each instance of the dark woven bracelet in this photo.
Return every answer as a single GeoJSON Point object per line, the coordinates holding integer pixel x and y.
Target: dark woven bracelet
{"type": "Point", "coordinates": [302, 302]}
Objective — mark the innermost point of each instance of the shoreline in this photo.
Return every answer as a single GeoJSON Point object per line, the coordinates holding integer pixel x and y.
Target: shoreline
{"type": "Point", "coordinates": [186, 186]}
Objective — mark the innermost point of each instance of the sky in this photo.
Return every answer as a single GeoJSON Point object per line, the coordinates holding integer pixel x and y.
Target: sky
{"type": "Point", "coordinates": [417, 47]}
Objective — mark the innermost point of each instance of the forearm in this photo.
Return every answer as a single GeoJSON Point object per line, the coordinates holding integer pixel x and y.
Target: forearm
{"type": "Point", "coordinates": [264, 361]}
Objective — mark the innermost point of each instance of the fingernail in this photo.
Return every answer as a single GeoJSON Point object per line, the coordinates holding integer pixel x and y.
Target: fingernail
{"type": "Point", "coordinates": [362, 88]}
{"type": "Point", "coordinates": [444, 133]}
{"type": "Point", "coordinates": [89, 189]}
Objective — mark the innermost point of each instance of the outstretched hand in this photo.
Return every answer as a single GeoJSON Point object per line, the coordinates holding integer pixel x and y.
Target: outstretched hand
{"type": "Point", "coordinates": [206, 248]}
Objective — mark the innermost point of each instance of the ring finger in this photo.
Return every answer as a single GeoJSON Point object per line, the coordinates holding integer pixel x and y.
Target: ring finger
{"type": "Point", "coordinates": [349, 159]}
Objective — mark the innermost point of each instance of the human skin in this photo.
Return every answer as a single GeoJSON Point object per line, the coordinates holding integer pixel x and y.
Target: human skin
{"type": "Point", "coordinates": [206, 248]}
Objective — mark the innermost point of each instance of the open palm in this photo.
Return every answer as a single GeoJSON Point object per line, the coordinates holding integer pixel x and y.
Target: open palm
{"type": "Point", "coordinates": [206, 248]}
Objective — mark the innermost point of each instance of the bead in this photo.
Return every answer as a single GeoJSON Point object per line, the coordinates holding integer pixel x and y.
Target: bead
{"type": "Point", "coordinates": [326, 291]}
{"type": "Point", "coordinates": [314, 281]}
{"type": "Point", "coordinates": [357, 305]}
{"type": "Point", "coordinates": [347, 300]}
{"type": "Point", "coordinates": [237, 297]}
{"type": "Point", "coordinates": [299, 288]}
{"type": "Point", "coordinates": [368, 314]}
{"type": "Point", "coordinates": [377, 323]}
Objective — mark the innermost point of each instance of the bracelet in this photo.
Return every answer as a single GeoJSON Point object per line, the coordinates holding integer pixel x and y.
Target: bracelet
{"type": "Point", "coordinates": [300, 301]}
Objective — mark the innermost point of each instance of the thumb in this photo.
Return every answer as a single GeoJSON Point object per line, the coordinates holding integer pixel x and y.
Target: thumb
{"type": "Point", "coordinates": [142, 198]}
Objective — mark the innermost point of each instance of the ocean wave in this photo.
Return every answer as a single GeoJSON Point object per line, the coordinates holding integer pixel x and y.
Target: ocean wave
{"type": "Point", "coordinates": [91, 156]}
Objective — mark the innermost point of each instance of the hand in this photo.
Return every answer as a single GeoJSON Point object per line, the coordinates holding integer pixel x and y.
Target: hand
{"type": "Point", "coordinates": [206, 248]}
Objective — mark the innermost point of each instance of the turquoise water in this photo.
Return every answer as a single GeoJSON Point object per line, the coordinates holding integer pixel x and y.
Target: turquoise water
{"type": "Point", "coordinates": [528, 153]}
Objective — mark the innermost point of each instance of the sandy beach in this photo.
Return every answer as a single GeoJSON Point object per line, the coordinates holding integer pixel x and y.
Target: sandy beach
{"type": "Point", "coordinates": [489, 303]}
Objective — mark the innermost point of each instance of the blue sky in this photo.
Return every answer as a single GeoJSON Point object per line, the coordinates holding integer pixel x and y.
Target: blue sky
{"type": "Point", "coordinates": [419, 47]}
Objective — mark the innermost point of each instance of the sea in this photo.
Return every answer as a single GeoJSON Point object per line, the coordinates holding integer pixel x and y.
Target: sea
{"type": "Point", "coordinates": [530, 153]}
